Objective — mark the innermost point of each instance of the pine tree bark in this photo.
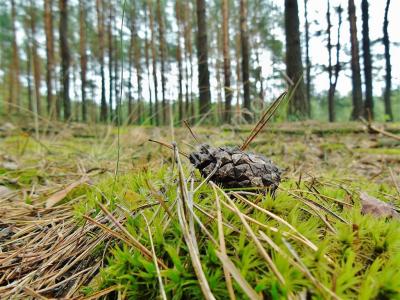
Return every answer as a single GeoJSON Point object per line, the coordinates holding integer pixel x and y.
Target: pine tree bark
{"type": "Point", "coordinates": [28, 71]}
{"type": "Point", "coordinates": [333, 70]}
{"type": "Point", "coordinates": [100, 28]}
{"type": "Point", "coordinates": [308, 61]}
{"type": "Point", "coordinates": [110, 62]}
{"type": "Point", "coordinates": [161, 36]}
{"type": "Point", "coordinates": [355, 64]}
{"type": "Point", "coordinates": [388, 66]}
{"type": "Point", "coordinates": [298, 106]}
{"type": "Point", "coordinates": [227, 61]}
{"type": "Point", "coordinates": [178, 15]}
{"type": "Point", "coordinates": [202, 58]}
{"type": "Point", "coordinates": [244, 41]}
{"type": "Point", "coordinates": [83, 56]}
{"type": "Point", "coordinates": [137, 55]}
{"type": "Point", "coordinates": [154, 62]}
{"type": "Point", "coordinates": [147, 61]}
{"type": "Point", "coordinates": [48, 26]}
{"type": "Point", "coordinates": [36, 60]}
{"type": "Point", "coordinates": [65, 57]}
{"type": "Point", "coordinates": [189, 105]}
{"type": "Point", "coordinates": [14, 97]}
{"type": "Point", "coordinates": [369, 101]}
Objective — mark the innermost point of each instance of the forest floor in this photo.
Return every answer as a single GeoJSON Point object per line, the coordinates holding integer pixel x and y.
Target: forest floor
{"type": "Point", "coordinates": [70, 227]}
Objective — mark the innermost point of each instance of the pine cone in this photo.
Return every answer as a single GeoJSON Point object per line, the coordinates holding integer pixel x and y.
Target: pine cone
{"type": "Point", "coordinates": [236, 169]}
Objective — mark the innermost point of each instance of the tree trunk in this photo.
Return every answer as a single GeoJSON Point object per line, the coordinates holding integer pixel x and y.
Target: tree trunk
{"type": "Point", "coordinates": [308, 62]}
{"type": "Point", "coordinates": [244, 41]}
{"type": "Point", "coordinates": [331, 93]}
{"type": "Point", "coordinates": [83, 56]}
{"type": "Point", "coordinates": [14, 100]}
{"type": "Point", "coordinates": [227, 60]}
{"type": "Point", "coordinates": [48, 26]}
{"type": "Point", "coordinates": [147, 61]}
{"type": "Point", "coordinates": [28, 72]}
{"type": "Point", "coordinates": [110, 62]}
{"type": "Point", "coordinates": [65, 57]}
{"type": "Point", "coordinates": [137, 55]}
{"type": "Point", "coordinates": [117, 116]}
{"type": "Point", "coordinates": [333, 73]}
{"type": "Point", "coordinates": [161, 37]}
{"type": "Point", "coordinates": [238, 75]}
{"type": "Point", "coordinates": [388, 66]}
{"type": "Point", "coordinates": [369, 102]}
{"type": "Point", "coordinates": [36, 62]}
{"type": "Point", "coordinates": [189, 105]}
{"type": "Point", "coordinates": [154, 61]}
{"type": "Point", "coordinates": [298, 106]}
{"type": "Point", "coordinates": [100, 28]}
{"type": "Point", "coordinates": [130, 67]}
{"type": "Point", "coordinates": [202, 57]}
{"type": "Point", "coordinates": [178, 13]}
{"type": "Point", "coordinates": [355, 64]}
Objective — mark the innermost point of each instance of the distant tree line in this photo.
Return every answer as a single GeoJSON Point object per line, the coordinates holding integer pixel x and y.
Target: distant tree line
{"type": "Point", "coordinates": [77, 61]}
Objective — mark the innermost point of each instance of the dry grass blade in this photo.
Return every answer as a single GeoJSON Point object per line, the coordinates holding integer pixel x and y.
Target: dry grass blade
{"type": "Point", "coordinates": [222, 246]}
{"type": "Point", "coordinates": [169, 147]}
{"type": "Point", "coordinates": [263, 120]}
{"type": "Point", "coordinates": [153, 251]}
{"type": "Point", "coordinates": [374, 129]}
{"type": "Point", "coordinates": [135, 242]}
{"type": "Point", "coordinates": [247, 289]}
{"type": "Point", "coordinates": [60, 195]}
{"type": "Point", "coordinates": [191, 131]}
{"type": "Point", "coordinates": [253, 236]}
{"type": "Point", "coordinates": [193, 252]}
{"type": "Point", "coordinates": [299, 265]}
{"type": "Point", "coordinates": [99, 294]}
{"type": "Point", "coordinates": [277, 218]}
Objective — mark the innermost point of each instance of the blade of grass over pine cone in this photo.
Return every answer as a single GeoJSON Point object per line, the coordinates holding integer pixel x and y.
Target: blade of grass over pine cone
{"type": "Point", "coordinates": [222, 246]}
{"type": "Point", "coordinates": [253, 236]}
{"type": "Point", "coordinates": [246, 287]}
{"type": "Point", "coordinates": [191, 131]}
{"type": "Point", "coordinates": [193, 252]}
{"type": "Point", "coordinates": [153, 251]}
{"type": "Point", "coordinates": [264, 120]}
{"type": "Point", "coordinates": [169, 147]}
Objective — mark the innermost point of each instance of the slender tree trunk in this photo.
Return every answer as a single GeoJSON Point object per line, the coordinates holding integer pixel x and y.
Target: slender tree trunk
{"type": "Point", "coordinates": [355, 64]}
{"type": "Point", "coordinates": [28, 72]}
{"type": "Point", "coordinates": [333, 73]}
{"type": "Point", "coordinates": [65, 58]}
{"type": "Point", "coordinates": [189, 105]}
{"type": "Point", "coordinates": [130, 67]}
{"type": "Point", "coordinates": [83, 56]}
{"type": "Point", "coordinates": [137, 55]}
{"type": "Point", "coordinates": [369, 102]}
{"type": "Point", "coordinates": [308, 62]}
{"type": "Point", "coordinates": [298, 106]}
{"type": "Point", "coordinates": [14, 68]}
{"type": "Point", "coordinates": [388, 66]}
{"type": "Point", "coordinates": [331, 103]}
{"type": "Point", "coordinates": [147, 61]}
{"type": "Point", "coordinates": [227, 60]}
{"type": "Point", "coordinates": [110, 62]}
{"type": "Point", "coordinates": [48, 26]}
{"type": "Point", "coordinates": [154, 61]}
{"type": "Point", "coordinates": [178, 14]}
{"type": "Point", "coordinates": [202, 58]}
{"type": "Point", "coordinates": [117, 116]}
{"type": "Point", "coordinates": [35, 58]}
{"type": "Point", "coordinates": [161, 37]}
{"type": "Point", "coordinates": [100, 28]}
{"type": "Point", "coordinates": [238, 75]}
{"type": "Point", "coordinates": [244, 40]}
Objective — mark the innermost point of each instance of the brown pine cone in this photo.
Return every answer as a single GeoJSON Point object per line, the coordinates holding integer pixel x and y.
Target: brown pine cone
{"type": "Point", "coordinates": [236, 169]}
